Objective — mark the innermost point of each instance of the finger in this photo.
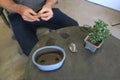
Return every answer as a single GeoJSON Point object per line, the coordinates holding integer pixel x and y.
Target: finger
{"type": "Point", "coordinates": [43, 11]}
{"type": "Point", "coordinates": [40, 13]}
{"type": "Point", "coordinates": [46, 18]}
{"type": "Point", "coordinates": [32, 12]}
{"type": "Point", "coordinates": [32, 17]}
{"type": "Point", "coordinates": [44, 15]}
{"type": "Point", "coordinates": [30, 20]}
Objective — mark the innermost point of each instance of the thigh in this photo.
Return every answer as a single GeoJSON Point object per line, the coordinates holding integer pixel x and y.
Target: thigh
{"type": "Point", "coordinates": [62, 19]}
{"type": "Point", "coordinates": [18, 24]}
{"type": "Point", "coordinates": [59, 20]}
{"type": "Point", "coordinates": [21, 27]}
{"type": "Point", "coordinates": [25, 32]}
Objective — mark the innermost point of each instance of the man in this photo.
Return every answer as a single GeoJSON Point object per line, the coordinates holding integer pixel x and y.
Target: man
{"type": "Point", "coordinates": [27, 15]}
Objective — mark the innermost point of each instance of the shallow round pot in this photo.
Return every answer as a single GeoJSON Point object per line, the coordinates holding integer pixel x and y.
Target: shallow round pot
{"type": "Point", "coordinates": [43, 53]}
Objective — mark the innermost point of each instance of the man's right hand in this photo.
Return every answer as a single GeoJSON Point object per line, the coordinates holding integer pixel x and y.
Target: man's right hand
{"type": "Point", "coordinates": [27, 13]}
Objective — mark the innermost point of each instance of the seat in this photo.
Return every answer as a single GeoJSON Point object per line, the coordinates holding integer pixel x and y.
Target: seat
{"type": "Point", "coordinates": [3, 14]}
{"type": "Point", "coordinates": [40, 31]}
{"type": "Point", "coordinates": [4, 17]}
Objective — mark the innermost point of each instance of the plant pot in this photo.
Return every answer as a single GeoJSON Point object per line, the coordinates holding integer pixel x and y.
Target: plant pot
{"type": "Point", "coordinates": [90, 46]}
{"type": "Point", "coordinates": [49, 58]}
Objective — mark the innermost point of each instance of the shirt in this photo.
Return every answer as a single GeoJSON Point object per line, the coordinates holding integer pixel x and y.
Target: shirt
{"type": "Point", "coordinates": [33, 4]}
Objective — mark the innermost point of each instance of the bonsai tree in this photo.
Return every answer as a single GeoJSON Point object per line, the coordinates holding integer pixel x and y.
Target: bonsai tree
{"type": "Point", "coordinates": [97, 34]}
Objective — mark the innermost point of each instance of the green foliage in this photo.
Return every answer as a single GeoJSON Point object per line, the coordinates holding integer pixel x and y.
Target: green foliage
{"type": "Point", "coordinates": [99, 32]}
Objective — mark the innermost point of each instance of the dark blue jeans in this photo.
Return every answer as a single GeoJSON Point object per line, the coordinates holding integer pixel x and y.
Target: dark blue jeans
{"type": "Point", "coordinates": [25, 32]}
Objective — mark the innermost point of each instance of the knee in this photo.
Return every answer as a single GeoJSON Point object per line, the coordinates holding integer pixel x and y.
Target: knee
{"type": "Point", "coordinates": [67, 20]}
{"type": "Point", "coordinates": [56, 11]}
{"type": "Point", "coordinates": [75, 23]}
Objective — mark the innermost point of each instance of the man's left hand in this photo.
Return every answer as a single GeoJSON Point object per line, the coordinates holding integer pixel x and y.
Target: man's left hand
{"type": "Point", "coordinates": [45, 13]}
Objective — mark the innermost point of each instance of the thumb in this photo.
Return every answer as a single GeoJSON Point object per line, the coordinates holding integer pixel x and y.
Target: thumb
{"type": "Point", "coordinates": [43, 11]}
{"type": "Point", "coordinates": [32, 12]}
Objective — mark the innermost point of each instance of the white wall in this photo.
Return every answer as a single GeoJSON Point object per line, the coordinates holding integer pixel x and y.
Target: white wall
{"type": "Point", "coordinates": [114, 4]}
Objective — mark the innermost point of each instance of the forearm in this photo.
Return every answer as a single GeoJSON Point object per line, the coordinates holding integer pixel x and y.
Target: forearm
{"type": "Point", "coordinates": [10, 5]}
{"type": "Point", "coordinates": [50, 3]}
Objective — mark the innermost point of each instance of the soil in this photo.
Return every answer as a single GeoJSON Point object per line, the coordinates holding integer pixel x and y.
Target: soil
{"type": "Point", "coordinates": [97, 43]}
{"type": "Point", "coordinates": [49, 58]}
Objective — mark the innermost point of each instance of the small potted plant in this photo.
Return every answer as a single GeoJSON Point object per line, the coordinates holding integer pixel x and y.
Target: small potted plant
{"type": "Point", "coordinates": [97, 34]}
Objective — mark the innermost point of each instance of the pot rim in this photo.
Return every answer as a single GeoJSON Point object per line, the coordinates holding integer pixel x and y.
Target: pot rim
{"type": "Point", "coordinates": [48, 47]}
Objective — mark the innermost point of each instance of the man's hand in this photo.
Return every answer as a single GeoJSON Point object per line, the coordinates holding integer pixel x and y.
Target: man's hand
{"type": "Point", "coordinates": [27, 13]}
{"type": "Point", "coordinates": [45, 13]}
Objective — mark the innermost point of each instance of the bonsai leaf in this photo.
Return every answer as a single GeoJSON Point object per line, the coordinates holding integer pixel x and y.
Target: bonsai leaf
{"type": "Point", "coordinates": [99, 31]}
